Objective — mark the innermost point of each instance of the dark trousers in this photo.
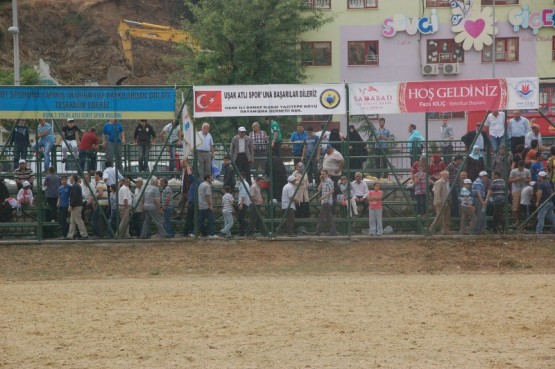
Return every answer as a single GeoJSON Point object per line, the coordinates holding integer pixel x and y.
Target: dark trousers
{"type": "Point", "coordinates": [62, 220]}
{"type": "Point", "coordinates": [420, 204]}
{"type": "Point", "coordinates": [380, 162]}
{"type": "Point", "coordinates": [326, 216]}
{"type": "Point", "coordinates": [447, 152]}
{"type": "Point", "coordinates": [100, 221]}
{"type": "Point", "coordinates": [277, 148]}
{"type": "Point", "coordinates": [144, 153]}
{"type": "Point", "coordinates": [137, 220]}
{"type": "Point", "coordinates": [244, 166]}
{"type": "Point", "coordinates": [206, 216]}
{"type": "Point", "coordinates": [242, 215]}
{"type": "Point", "coordinates": [52, 211]}
{"type": "Point", "coordinates": [312, 170]}
{"type": "Point", "coordinates": [189, 219]}
{"type": "Point", "coordinates": [254, 221]}
{"type": "Point", "coordinates": [289, 221]}
{"type": "Point", "coordinates": [19, 152]}
{"type": "Point", "coordinates": [498, 216]}
{"type": "Point", "coordinates": [86, 156]}
{"type": "Point", "coordinates": [455, 201]}
{"type": "Point", "coordinates": [515, 141]}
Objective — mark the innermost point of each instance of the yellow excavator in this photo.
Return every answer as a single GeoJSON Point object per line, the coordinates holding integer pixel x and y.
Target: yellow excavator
{"type": "Point", "coordinates": [128, 30]}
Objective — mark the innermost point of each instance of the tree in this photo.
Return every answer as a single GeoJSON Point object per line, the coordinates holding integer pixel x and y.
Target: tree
{"type": "Point", "coordinates": [28, 76]}
{"type": "Point", "coordinates": [247, 41]}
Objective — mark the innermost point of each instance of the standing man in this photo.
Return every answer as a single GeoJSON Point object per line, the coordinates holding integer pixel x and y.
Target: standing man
{"type": "Point", "coordinates": [326, 187]}
{"type": "Point", "coordinates": [260, 143]}
{"type": "Point", "coordinates": [151, 209]}
{"type": "Point", "coordinates": [167, 206]}
{"type": "Point", "coordinates": [254, 221]}
{"type": "Point", "coordinates": [286, 199]}
{"type": "Point", "coordinates": [45, 142]}
{"type": "Point", "coordinates": [51, 184]}
{"type": "Point", "coordinates": [205, 150]}
{"type": "Point", "coordinates": [176, 135]}
{"type": "Point", "coordinates": [87, 150]}
{"type": "Point", "coordinates": [100, 225]}
{"type": "Point", "coordinates": [446, 136]}
{"type": "Point", "coordinates": [297, 148]}
{"type": "Point", "coordinates": [518, 179]}
{"type": "Point", "coordinates": [75, 210]}
{"type": "Point", "coordinates": [244, 205]}
{"type": "Point", "coordinates": [125, 200]}
{"type": "Point", "coordinates": [113, 137]}
{"type": "Point", "coordinates": [496, 123]}
{"type": "Point", "coordinates": [333, 163]}
{"type": "Point", "coordinates": [144, 136]}
{"type": "Point", "coordinates": [519, 127]}
{"type": "Point", "coordinates": [138, 216]}
{"type": "Point", "coordinates": [63, 205]}
{"type": "Point", "coordinates": [482, 141]}
{"type": "Point", "coordinates": [441, 196]}
{"type": "Point", "coordinates": [242, 153]}
{"type": "Point", "coordinates": [311, 158]}
{"type": "Point", "coordinates": [542, 195]}
{"type": "Point", "coordinates": [380, 148]}
{"type": "Point", "coordinates": [479, 199]}
{"type": "Point", "coordinates": [276, 135]}
{"type": "Point", "coordinates": [71, 133]}
{"type": "Point", "coordinates": [23, 174]}
{"type": "Point", "coordinates": [110, 174]}
{"type": "Point", "coordinates": [414, 144]}
{"type": "Point", "coordinates": [205, 207]}
{"type": "Point", "coordinates": [20, 141]}
{"type": "Point", "coordinates": [457, 182]}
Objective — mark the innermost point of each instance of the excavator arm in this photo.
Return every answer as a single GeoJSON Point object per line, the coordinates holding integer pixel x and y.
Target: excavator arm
{"type": "Point", "coordinates": [128, 30]}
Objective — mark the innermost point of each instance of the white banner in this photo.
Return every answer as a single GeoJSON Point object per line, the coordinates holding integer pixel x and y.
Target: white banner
{"type": "Point", "coordinates": [261, 100]}
{"type": "Point", "coordinates": [523, 93]}
{"type": "Point", "coordinates": [374, 98]}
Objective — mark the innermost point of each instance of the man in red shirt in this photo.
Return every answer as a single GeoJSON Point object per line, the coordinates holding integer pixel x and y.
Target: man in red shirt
{"type": "Point", "coordinates": [87, 150]}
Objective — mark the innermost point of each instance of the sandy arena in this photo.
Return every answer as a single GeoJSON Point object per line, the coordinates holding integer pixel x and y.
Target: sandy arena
{"type": "Point", "coordinates": [388, 303]}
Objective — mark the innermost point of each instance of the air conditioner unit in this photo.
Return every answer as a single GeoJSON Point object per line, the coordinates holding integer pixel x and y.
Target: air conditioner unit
{"type": "Point", "coordinates": [451, 68]}
{"type": "Point", "coordinates": [430, 69]}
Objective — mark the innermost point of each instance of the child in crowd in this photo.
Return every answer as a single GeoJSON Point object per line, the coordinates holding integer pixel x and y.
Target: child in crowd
{"type": "Point", "coordinates": [375, 210]}
{"type": "Point", "coordinates": [420, 188]}
{"type": "Point", "coordinates": [25, 195]}
{"type": "Point", "coordinates": [527, 198]}
{"type": "Point", "coordinates": [227, 212]}
{"type": "Point", "coordinates": [227, 174]}
{"type": "Point", "coordinates": [344, 186]}
{"type": "Point", "coordinates": [468, 211]}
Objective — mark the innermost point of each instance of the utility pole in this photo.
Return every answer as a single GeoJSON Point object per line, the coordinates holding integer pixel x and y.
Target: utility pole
{"type": "Point", "coordinates": [15, 31]}
{"type": "Point", "coordinates": [493, 46]}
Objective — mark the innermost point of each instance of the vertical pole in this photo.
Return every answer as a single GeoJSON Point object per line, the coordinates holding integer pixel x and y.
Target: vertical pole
{"type": "Point", "coordinates": [196, 181]}
{"type": "Point", "coordinates": [428, 197]}
{"type": "Point", "coordinates": [493, 46]}
{"type": "Point", "coordinates": [15, 30]}
{"type": "Point", "coordinates": [349, 223]}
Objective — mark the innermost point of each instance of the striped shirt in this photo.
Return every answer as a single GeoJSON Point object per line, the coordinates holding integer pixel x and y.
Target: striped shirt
{"type": "Point", "coordinates": [327, 186]}
{"type": "Point", "coordinates": [260, 141]}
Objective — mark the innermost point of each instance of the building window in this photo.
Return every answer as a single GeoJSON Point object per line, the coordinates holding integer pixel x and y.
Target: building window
{"type": "Point", "coordinates": [437, 3]}
{"type": "Point", "coordinates": [500, 2]}
{"type": "Point", "coordinates": [362, 4]}
{"type": "Point", "coordinates": [444, 51]}
{"type": "Point", "coordinates": [506, 50]}
{"type": "Point", "coordinates": [316, 53]}
{"type": "Point", "coordinates": [547, 98]}
{"type": "Point", "coordinates": [363, 53]}
{"type": "Point", "coordinates": [319, 4]}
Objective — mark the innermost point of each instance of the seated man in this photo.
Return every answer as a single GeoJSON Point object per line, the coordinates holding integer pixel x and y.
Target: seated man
{"type": "Point", "coordinates": [360, 192]}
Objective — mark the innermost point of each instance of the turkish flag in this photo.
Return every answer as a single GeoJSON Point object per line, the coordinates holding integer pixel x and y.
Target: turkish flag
{"type": "Point", "coordinates": [208, 101]}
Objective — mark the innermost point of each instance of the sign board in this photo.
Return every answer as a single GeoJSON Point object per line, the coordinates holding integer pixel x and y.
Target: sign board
{"type": "Point", "coordinates": [443, 96]}
{"type": "Point", "coordinates": [261, 100]}
{"type": "Point", "coordinates": [33, 102]}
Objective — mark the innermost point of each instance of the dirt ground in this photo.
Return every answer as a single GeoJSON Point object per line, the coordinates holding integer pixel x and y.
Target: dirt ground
{"type": "Point", "coordinates": [363, 303]}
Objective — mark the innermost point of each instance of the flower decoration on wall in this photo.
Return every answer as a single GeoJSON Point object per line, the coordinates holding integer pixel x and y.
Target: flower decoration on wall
{"type": "Point", "coordinates": [474, 26]}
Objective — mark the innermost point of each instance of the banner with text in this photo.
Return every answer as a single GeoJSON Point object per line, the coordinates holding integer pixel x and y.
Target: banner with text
{"type": "Point", "coordinates": [443, 96]}
{"type": "Point", "coordinates": [260, 100]}
{"type": "Point", "coordinates": [35, 102]}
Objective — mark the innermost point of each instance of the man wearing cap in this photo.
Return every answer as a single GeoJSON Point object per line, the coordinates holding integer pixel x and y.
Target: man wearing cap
{"type": "Point", "coordinates": [144, 136]}
{"type": "Point", "coordinates": [286, 199]}
{"type": "Point", "coordinates": [518, 179]}
{"type": "Point", "coordinates": [468, 211]}
{"type": "Point", "coordinates": [242, 153]}
{"type": "Point", "coordinates": [297, 139]}
{"type": "Point", "coordinates": [496, 123]}
{"type": "Point", "coordinates": [71, 134]}
{"type": "Point", "coordinates": [479, 199]}
{"type": "Point", "coordinates": [19, 138]}
{"type": "Point", "coordinates": [113, 137]}
{"type": "Point", "coordinates": [88, 147]}
{"type": "Point", "coordinates": [519, 127]}
{"type": "Point", "coordinates": [22, 173]}
{"type": "Point", "coordinates": [544, 199]}
{"type": "Point", "coordinates": [45, 142]}
{"type": "Point", "coordinates": [260, 143]}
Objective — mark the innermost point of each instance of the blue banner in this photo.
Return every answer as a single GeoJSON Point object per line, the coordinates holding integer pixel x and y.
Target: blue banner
{"type": "Point", "coordinates": [34, 102]}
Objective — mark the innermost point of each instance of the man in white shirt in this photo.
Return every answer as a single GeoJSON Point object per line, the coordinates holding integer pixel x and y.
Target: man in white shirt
{"type": "Point", "coordinates": [359, 190]}
{"type": "Point", "coordinates": [174, 141]}
{"type": "Point", "coordinates": [286, 199]}
{"type": "Point", "coordinates": [244, 204]}
{"type": "Point", "coordinates": [205, 151]}
{"type": "Point", "coordinates": [125, 201]}
{"type": "Point", "coordinates": [519, 127]}
{"type": "Point", "coordinates": [109, 174]}
{"type": "Point", "coordinates": [534, 134]}
{"type": "Point", "coordinates": [496, 123]}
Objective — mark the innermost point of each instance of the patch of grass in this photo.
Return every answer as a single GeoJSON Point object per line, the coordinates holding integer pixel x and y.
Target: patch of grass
{"type": "Point", "coordinates": [156, 272]}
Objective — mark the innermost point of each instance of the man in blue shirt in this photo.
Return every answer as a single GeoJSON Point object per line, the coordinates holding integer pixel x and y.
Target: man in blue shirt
{"type": "Point", "coordinates": [63, 205]}
{"type": "Point", "coordinates": [113, 137]}
{"type": "Point", "coordinates": [45, 141]}
{"type": "Point", "coordinates": [298, 136]}
{"type": "Point", "coordinates": [479, 199]}
{"type": "Point", "coordinates": [309, 157]}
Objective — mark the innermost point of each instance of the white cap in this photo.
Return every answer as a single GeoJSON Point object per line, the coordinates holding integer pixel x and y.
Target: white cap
{"type": "Point", "coordinates": [138, 179]}
{"type": "Point", "coordinates": [22, 161]}
{"type": "Point", "coordinates": [70, 119]}
{"type": "Point", "coordinates": [291, 179]}
{"type": "Point", "coordinates": [26, 184]}
{"type": "Point", "coordinates": [542, 174]}
{"type": "Point", "coordinates": [532, 183]}
{"type": "Point", "coordinates": [483, 173]}
{"type": "Point", "coordinates": [242, 129]}
{"type": "Point", "coordinates": [467, 181]}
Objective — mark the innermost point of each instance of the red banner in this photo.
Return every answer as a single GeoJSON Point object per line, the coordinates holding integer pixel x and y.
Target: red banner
{"type": "Point", "coordinates": [448, 96]}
